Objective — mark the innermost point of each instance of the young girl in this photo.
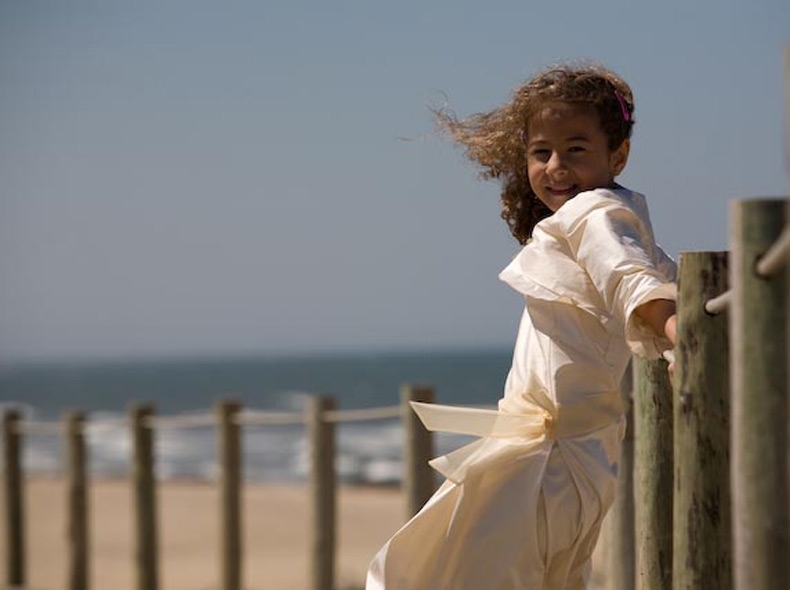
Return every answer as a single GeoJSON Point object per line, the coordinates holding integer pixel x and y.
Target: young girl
{"type": "Point", "coordinates": [521, 507]}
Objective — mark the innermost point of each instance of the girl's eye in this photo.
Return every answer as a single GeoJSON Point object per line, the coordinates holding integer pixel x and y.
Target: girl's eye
{"type": "Point", "coordinates": [539, 154]}
{"type": "Point", "coordinates": [576, 148]}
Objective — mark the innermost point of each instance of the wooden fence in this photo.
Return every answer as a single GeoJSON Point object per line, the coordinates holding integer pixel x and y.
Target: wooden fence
{"type": "Point", "coordinates": [320, 420]}
{"type": "Point", "coordinates": [703, 500]}
{"type": "Point", "coordinates": [711, 450]}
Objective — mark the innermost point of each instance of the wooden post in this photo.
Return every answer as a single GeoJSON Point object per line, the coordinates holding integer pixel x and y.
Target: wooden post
{"type": "Point", "coordinates": [418, 478]}
{"type": "Point", "coordinates": [620, 555]}
{"type": "Point", "coordinates": [229, 442]}
{"type": "Point", "coordinates": [758, 317]}
{"type": "Point", "coordinates": [653, 474]}
{"type": "Point", "coordinates": [144, 491]}
{"type": "Point", "coordinates": [702, 543]}
{"type": "Point", "coordinates": [78, 577]}
{"type": "Point", "coordinates": [14, 500]}
{"type": "Point", "coordinates": [322, 451]}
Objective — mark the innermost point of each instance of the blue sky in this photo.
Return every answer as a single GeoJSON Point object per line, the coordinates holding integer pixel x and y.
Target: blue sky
{"type": "Point", "coordinates": [202, 177]}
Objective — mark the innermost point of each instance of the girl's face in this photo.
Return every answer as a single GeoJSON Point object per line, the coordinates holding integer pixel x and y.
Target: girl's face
{"type": "Point", "coordinates": [567, 153]}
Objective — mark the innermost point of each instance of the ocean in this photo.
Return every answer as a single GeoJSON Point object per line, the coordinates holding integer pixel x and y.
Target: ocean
{"type": "Point", "coordinates": [367, 452]}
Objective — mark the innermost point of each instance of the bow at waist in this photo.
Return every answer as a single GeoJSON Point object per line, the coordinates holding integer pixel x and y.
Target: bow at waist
{"type": "Point", "coordinates": [485, 422]}
{"type": "Point", "coordinates": [529, 428]}
{"type": "Point", "coordinates": [532, 420]}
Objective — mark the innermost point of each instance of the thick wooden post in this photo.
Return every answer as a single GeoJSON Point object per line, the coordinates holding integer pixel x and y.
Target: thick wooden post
{"type": "Point", "coordinates": [653, 460]}
{"type": "Point", "coordinates": [322, 451]}
{"type": "Point", "coordinates": [418, 477]}
{"type": "Point", "coordinates": [14, 505]}
{"type": "Point", "coordinates": [78, 577]}
{"type": "Point", "coordinates": [702, 532]}
{"type": "Point", "coordinates": [758, 317]}
{"type": "Point", "coordinates": [620, 521]}
{"type": "Point", "coordinates": [229, 451]}
{"type": "Point", "coordinates": [144, 492]}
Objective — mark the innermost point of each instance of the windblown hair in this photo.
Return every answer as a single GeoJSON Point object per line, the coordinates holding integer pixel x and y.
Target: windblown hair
{"type": "Point", "coordinates": [497, 140]}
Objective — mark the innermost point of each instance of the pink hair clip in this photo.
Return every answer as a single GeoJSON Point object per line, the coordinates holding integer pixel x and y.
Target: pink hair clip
{"type": "Point", "coordinates": [623, 106]}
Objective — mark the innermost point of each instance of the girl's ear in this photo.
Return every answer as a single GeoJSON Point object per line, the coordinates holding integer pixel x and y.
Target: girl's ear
{"type": "Point", "coordinates": [619, 157]}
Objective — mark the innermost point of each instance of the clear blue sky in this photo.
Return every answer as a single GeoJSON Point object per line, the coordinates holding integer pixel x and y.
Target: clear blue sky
{"type": "Point", "coordinates": [209, 177]}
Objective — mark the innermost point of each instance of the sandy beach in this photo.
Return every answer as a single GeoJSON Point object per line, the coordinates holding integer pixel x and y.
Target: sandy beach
{"type": "Point", "coordinates": [275, 537]}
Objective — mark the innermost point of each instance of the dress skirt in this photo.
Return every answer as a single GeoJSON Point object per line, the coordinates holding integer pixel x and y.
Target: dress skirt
{"type": "Point", "coordinates": [519, 511]}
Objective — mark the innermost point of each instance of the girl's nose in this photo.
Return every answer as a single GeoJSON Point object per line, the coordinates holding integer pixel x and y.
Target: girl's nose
{"type": "Point", "coordinates": [555, 163]}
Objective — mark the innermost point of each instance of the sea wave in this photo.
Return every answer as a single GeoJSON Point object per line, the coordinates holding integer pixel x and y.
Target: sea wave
{"type": "Point", "coordinates": [366, 453]}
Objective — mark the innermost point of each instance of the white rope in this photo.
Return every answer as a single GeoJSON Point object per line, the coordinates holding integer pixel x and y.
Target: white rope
{"type": "Point", "coordinates": [769, 264]}
{"type": "Point", "coordinates": [776, 257]}
{"type": "Point", "coordinates": [363, 415]}
{"type": "Point", "coordinates": [207, 419]}
{"type": "Point", "coordinates": [258, 418]}
{"type": "Point", "coordinates": [719, 304]}
{"type": "Point", "coordinates": [197, 420]}
{"type": "Point", "coordinates": [97, 426]}
{"type": "Point", "coordinates": [39, 428]}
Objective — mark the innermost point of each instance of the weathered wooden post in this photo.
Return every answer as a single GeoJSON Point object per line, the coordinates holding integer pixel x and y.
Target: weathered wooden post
{"type": "Point", "coordinates": [78, 577]}
{"type": "Point", "coordinates": [14, 500]}
{"type": "Point", "coordinates": [322, 452]}
{"type": "Point", "coordinates": [418, 477]}
{"type": "Point", "coordinates": [701, 506]}
{"type": "Point", "coordinates": [620, 521]}
{"type": "Point", "coordinates": [229, 451]}
{"type": "Point", "coordinates": [758, 317]}
{"type": "Point", "coordinates": [144, 491]}
{"type": "Point", "coordinates": [653, 474]}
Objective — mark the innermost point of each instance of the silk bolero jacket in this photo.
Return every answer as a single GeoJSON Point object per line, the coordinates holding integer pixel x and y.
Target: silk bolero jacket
{"type": "Point", "coordinates": [598, 253]}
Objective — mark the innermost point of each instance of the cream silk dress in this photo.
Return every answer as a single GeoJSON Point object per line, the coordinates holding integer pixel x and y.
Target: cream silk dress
{"type": "Point", "coordinates": [521, 507]}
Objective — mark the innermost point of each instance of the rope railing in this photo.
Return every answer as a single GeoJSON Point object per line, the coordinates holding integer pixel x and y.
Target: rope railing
{"type": "Point", "coordinates": [383, 413]}
{"type": "Point", "coordinates": [208, 420]}
{"type": "Point", "coordinates": [767, 266]}
{"type": "Point", "coordinates": [775, 259]}
{"type": "Point", "coordinates": [718, 304]}
{"type": "Point", "coordinates": [40, 427]}
{"type": "Point", "coordinates": [263, 418]}
{"type": "Point", "coordinates": [181, 421]}
{"type": "Point", "coordinates": [103, 425]}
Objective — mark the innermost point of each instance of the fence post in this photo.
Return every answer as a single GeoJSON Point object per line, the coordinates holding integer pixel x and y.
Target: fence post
{"type": "Point", "coordinates": [144, 491]}
{"type": "Point", "coordinates": [229, 450]}
{"type": "Point", "coordinates": [620, 554]}
{"type": "Point", "coordinates": [758, 320]}
{"type": "Point", "coordinates": [322, 451]}
{"type": "Point", "coordinates": [418, 478]}
{"type": "Point", "coordinates": [14, 500]}
{"type": "Point", "coordinates": [78, 577]}
{"type": "Point", "coordinates": [653, 474]}
{"type": "Point", "coordinates": [702, 543]}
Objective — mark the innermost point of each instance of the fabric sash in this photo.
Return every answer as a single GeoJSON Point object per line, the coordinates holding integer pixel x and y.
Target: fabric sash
{"type": "Point", "coordinates": [498, 430]}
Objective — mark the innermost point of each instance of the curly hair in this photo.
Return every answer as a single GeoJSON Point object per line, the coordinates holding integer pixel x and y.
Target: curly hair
{"type": "Point", "coordinates": [496, 140]}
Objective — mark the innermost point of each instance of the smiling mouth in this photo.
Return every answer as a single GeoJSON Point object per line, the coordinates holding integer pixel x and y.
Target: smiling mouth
{"type": "Point", "coordinates": [561, 191]}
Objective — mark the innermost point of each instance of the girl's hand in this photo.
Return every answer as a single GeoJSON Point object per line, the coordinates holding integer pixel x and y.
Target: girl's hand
{"type": "Point", "coordinates": [671, 329]}
{"type": "Point", "coordinates": [660, 315]}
